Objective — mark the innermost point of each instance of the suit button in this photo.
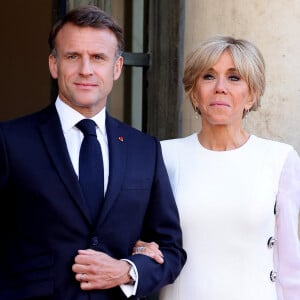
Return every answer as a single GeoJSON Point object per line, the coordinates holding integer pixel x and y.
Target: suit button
{"type": "Point", "coordinates": [273, 276]}
{"type": "Point", "coordinates": [94, 241]}
{"type": "Point", "coordinates": [271, 242]}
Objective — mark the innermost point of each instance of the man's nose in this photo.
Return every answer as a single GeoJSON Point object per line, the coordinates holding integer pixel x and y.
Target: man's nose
{"type": "Point", "coordinates": [86, 68]}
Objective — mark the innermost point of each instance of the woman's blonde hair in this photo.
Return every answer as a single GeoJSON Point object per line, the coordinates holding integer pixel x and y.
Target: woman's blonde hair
{"type": "Point", "coordinates": [247, 59]}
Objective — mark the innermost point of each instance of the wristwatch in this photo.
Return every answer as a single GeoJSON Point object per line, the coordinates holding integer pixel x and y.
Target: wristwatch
{"type": "Point", "coordinates": [132, 275]}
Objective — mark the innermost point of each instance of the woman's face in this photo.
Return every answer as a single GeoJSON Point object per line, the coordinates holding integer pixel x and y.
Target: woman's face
{"type": "Point", "coordinates": [221, 94]}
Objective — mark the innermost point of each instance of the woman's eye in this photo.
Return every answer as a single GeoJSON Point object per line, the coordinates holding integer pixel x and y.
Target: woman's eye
{"type": "Point", "coordinates": [208, 77]}
{"type": "Point", "coordinates": [234, 78]}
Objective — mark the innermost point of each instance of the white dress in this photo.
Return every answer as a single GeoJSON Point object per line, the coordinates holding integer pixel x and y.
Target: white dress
{"type": "Point", "coordinates": [226, 203]}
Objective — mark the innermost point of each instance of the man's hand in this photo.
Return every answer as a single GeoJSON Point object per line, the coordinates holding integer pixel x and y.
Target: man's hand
{"type": "Point", "coordinates": [97, 270]}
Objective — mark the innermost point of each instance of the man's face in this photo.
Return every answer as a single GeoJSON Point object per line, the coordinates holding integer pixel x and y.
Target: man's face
{"type": "Point", "coordinates": [85, 67]}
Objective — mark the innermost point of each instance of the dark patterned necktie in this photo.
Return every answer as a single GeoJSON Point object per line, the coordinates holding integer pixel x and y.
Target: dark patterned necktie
{"type": "Point", "coordinates": [91, 176]}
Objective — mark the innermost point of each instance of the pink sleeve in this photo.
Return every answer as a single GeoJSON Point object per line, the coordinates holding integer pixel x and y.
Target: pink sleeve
{"type": "Point", "coordinates": [287, 223]}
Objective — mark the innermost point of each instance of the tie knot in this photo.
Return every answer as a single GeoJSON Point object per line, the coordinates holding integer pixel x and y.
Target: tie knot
{"type": "Point", "coordinates": [87, 127]}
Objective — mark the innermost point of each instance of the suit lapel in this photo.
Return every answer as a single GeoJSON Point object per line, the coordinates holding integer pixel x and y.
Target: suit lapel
{"type": "Point", "coordinates": [117, 144]}
{"type": "Point", "coordinates": [55, 144]}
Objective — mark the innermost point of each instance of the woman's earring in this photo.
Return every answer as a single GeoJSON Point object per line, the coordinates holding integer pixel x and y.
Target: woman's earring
{"type": "Point", "coordinates": [196, 113]}
{"type": "Point", "coordinates": [245, 113]}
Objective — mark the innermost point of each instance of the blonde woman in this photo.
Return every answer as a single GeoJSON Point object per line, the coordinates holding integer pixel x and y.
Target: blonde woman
{"type": "Point", "coordinates": [238, 194]}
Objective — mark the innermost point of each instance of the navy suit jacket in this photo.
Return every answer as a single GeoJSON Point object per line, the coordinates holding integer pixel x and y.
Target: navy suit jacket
{"type": "Point", "coordinates": [44, 219]}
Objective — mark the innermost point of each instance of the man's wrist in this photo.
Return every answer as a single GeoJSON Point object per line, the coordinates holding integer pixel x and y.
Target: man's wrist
{"type": "Point", "coordinates": [132, 275]}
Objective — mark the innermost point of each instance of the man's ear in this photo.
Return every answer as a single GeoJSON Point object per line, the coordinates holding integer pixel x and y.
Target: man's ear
{"type": "Point", "coordinates": [118, 67]}
{"type": "Point", "coordinates": [52, 66]}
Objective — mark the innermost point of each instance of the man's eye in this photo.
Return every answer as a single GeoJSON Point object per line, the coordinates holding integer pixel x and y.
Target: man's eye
{"type": "Point", "coordinates": [98, 57]}
{"type": "Point", "coordinates": [72, 56]}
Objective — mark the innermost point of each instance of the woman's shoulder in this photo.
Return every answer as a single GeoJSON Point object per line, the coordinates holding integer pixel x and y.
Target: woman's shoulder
{"type": "Point", "coordinates": [179, 142]}
{"type": "Point", "coordinates": [270, 143]}
{"type": "Point", "coordinates": [175, 150]}
{"type": "Point", "coordinates": [272, 149]}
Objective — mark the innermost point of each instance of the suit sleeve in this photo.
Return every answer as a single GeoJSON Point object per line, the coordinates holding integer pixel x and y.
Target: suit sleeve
{"type": "Point", "coordinates": [3, 162]}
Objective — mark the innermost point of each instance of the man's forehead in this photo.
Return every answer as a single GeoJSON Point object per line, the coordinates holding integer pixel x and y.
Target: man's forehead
{"type": "Point", "coordinates": [97, 40]}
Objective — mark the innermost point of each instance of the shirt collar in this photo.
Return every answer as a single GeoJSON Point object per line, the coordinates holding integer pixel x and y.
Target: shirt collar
{"type": "Point", "coordinates": [69, 117]}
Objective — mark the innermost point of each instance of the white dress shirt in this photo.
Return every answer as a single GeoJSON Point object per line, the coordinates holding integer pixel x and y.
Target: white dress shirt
{"type": "Point", "coordinates": [69, 118]}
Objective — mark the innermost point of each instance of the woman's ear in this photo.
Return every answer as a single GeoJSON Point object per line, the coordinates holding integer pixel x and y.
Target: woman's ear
{"type": "Point", "coordinates": [251, 102]}
{"type": "Point", "coordinates": [193, 100]}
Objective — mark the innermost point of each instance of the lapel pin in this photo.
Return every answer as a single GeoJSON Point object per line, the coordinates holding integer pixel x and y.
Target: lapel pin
{"type": "Point", "coordinates": [121, 139]}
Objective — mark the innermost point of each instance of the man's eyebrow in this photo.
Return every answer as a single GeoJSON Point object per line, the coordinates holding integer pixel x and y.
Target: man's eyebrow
{"type": "Point", "coordinates": [71, 53]}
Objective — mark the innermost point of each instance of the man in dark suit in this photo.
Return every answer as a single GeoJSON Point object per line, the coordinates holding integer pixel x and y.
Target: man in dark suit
{"type": "Point", "coordinates": [51, 245]}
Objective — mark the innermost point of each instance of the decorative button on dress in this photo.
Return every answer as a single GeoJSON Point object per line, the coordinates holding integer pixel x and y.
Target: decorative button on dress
{"type": "Point", "coordinates": [236, 245]}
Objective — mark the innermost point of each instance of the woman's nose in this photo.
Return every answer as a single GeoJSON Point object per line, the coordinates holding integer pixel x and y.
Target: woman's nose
{"type": "Point", "coordinates": [221, 86]}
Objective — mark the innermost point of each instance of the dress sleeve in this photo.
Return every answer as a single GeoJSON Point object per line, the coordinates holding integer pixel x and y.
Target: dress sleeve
{"type": "Point", "coordinates": [288, 200]}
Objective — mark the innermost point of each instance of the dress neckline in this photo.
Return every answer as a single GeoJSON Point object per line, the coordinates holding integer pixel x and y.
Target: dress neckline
{"type": "Point", "coordinates": [238, 149]}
